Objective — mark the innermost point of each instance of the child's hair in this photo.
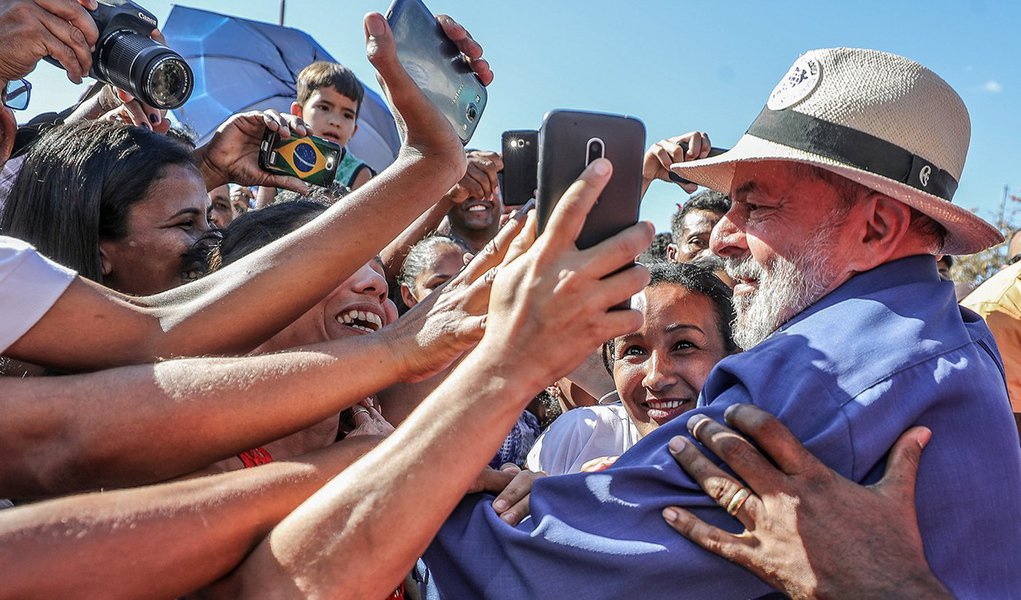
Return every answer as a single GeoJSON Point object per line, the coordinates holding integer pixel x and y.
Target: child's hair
{"type": "Point", "coordinates": [321, 74]}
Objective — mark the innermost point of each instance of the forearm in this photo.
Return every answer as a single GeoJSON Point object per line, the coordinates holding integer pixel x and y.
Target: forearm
{"type": "Point", "coordinates": [382, 513]}
{"type": "Point", "coordinates": [160, 541]}
{"type": "Point", "coordinates": [292, 274]}
{"type": "Point", "coordinates": [138, 425]}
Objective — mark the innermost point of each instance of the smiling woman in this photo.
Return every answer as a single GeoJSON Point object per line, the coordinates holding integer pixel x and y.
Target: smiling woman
{"type": "Point", "coordinates": [119, 204]}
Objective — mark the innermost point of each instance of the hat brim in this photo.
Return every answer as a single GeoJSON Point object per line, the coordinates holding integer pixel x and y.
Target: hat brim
{"type": "Point", "coordinates": [967, 233]}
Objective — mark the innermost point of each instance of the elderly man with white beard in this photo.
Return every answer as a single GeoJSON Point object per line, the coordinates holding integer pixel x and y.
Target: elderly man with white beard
{"type": "Point", "coordinates": [841, 194]}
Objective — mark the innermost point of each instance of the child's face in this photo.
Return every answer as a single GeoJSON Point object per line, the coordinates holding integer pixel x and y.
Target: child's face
{"type": "Point", "coordinates": [331, 114]}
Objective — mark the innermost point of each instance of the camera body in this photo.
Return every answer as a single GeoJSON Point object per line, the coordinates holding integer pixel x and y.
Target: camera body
{"type": "Point", "coordinates": [128, 58]}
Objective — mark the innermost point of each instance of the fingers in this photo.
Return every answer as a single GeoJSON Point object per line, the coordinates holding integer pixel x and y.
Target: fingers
{"type": "Point", "coordinates": [493, 253]}
{"type": "Point", "coordinates": [71, 11]}
{"type": "Point", "coordinates": [524, 239]}
{"type": "Point", "coordinates": [157, 36]}
{"type": "Point", "coordinates": [512, 503]}
{"type": "Point", "coordinates": [619, 287]}
{"type": "Point", "coordinates": [720, 542]}
{"type": "Point", "coordinates": [284, 182]}
{"type": "Point", "coordinates": [285, 125]}
{"type": "Point", "coordinates": [476, 182]}
{"type": "Point", "coordinates": [902, 465]}
{"type": "Point", "coordinates": [614, 252]}
{"type": "Point", "coordinates": [745, 460]}
{"type": "Point", "coordinates": [467, 45]}
{"type": "Point", "coordinates": [775, 440]}
{"type": "Point", "coordinates": [75, 34]}
{"type": "Point", "coordinates": [569, 214]}
{"type": "Point", "coordinates": [716, 483]}
{"type": "Point", "coordinates": [490, 480]}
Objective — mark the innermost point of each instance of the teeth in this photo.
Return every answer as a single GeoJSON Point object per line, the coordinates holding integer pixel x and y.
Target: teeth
{"type": "Point", "coordinates": [665, 405]}
{"type": "Point", "coordinates": [477, 208]}
{"type": "Point", "coordinates": [350, 317]}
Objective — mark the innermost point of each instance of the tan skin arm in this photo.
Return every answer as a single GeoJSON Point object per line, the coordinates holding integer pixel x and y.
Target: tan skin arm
{"type": "Point", "coordinates": [278, 283]}
{"type": "Point", "coordinates": [156, 542]}
{"type": "Point", "coordinates": [380, 525]}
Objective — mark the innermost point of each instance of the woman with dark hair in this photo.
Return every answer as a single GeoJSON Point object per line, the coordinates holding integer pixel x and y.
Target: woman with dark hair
{"type": "Point", "coordinates": [658, 370]}
{"type": "Point", "coordinates": [429, 264]}
{"type": "Point", "coordinates": [119, 204]}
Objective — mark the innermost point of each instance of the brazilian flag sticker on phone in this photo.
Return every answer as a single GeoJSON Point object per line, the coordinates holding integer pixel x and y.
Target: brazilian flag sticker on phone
{"type": "Point", "coordinates": [312, 159]}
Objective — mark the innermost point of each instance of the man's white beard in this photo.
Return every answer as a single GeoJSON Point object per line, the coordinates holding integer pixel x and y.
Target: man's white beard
{"type": "Point", "coordinates": [786, 289]}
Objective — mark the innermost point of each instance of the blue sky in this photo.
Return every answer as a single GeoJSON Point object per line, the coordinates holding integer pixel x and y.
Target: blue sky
{"type": "Point", "coordinates": [685, 65]}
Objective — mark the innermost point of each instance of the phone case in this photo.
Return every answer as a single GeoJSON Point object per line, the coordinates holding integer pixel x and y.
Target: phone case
{"type": "Point", "coordinates": [433, 61]}
{"type": "Point", "coordinates": [312, 159]}
{"type": "Point", "coordinates": [520, 175]}
{"type": "Point", "coordinates": [564, 153]}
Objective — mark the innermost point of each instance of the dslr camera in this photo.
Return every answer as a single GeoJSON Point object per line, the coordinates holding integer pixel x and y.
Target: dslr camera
{"type": "Point", "coordinates": [128, 58]}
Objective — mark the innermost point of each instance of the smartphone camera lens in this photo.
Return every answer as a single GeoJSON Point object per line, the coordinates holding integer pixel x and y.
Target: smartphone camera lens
{"type": "Point", "coordinates": [472, 112]}
{"type": "Point", "coordinates": [595, 149]}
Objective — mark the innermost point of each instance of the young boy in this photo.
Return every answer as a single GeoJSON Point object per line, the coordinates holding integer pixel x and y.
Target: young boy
{"type": "Point", "coordinates": [329, 98]}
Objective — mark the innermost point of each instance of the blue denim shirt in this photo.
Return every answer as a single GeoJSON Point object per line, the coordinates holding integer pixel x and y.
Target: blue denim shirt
{"type": "Point", "coordinates": [888, 349]}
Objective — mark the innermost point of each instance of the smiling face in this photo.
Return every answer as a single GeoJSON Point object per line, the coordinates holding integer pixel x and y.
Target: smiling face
{"type": "Point", "coordinates": [331, 114]}
{"type": "Point", "coordinates": [161, 228]}
{"type": "Point", "coordinates": [446, 261]}
{"type": "Point", "coordinates": [660, 369]}
{"type": "Point", "coordinates": [475, 215]}
{"type": "Point", "coordinates": [788, 240]}
{"type": "Point", "coordinates": [357, 306]}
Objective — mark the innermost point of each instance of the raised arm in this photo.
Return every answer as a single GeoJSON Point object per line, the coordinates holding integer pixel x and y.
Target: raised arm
{"type": "Point", "coordinates": [275, 285]}
{"type": "Point", "coordinates": [380, 514]}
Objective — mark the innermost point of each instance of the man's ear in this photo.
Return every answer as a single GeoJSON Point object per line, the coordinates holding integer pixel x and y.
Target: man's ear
{"type": "Point", "coordinates": [671, 252]}
{"type": "Point", "coordinates": [407, 297]}
{"type": "Point", "coordinates": [296, 110]}
{"type": "Point", "coordinates": [886, 225]}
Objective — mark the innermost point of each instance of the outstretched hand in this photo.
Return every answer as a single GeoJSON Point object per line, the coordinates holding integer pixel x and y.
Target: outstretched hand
{"type": "Point", "coordinates": [232, 155]}
{"type": "Point", "coordinates": [546, 290]}
{"type": "Point", "coordinates": [808, 531]}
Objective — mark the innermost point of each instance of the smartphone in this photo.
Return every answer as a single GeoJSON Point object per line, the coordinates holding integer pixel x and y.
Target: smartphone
{"type": "Point", "coordinates": [714, 151]}
{"type": "Point", "coordinates": [312, 159]}
{"type": "Point", "coordinates": [520, 175]}
{"type": "Point", "coordinates": [568, 142]}
{"type": "Point", "coordinates": [434, 62]}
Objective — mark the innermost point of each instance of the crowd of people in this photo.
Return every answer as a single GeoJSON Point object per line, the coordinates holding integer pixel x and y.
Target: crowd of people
{"type": "Point", "coordinates": [223, 382]}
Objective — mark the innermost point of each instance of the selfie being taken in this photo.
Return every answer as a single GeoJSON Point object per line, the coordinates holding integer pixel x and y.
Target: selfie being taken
{"type": "Point", "coordinates": [431, 300]}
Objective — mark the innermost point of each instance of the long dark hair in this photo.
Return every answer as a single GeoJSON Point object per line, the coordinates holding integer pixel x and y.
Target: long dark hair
{"type": "Point", "coordinates": [259, 228]}
{"type": "Point", "coordinates": [78, 184]}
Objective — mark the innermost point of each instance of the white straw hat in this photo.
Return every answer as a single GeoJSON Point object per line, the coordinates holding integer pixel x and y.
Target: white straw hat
{"type": "Point", "coordinates": [873, 117]}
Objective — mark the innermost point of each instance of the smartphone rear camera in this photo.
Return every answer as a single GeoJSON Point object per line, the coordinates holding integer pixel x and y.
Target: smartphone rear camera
{"type": "Point", "coordinates": [595, 150]}
{"type": "Point", "coordinates": [472, 112]}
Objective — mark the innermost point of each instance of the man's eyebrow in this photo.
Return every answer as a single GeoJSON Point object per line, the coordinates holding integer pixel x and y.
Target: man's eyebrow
{"type": "Point", "coordinates": [747, 188]}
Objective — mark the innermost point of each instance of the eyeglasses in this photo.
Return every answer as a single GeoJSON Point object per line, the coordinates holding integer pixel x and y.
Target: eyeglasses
{"type": "Point", "coordinates": [16, 94]}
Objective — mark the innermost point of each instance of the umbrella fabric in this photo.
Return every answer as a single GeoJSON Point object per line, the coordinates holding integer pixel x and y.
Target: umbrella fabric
{"type": "Point", "coordinates": [243, 65]}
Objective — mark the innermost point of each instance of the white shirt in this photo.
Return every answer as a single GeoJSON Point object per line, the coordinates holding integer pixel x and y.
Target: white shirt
{"type": "Point", "coordinates": [581, 434]}
{"type": "Point", "coordinates": [30, 285]}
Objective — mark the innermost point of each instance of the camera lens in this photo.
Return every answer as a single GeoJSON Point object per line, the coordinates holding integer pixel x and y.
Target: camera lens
{"type": "Point", "coordinates": [472, 112]}
{"type": "Point", "coordinates": [154, 74]}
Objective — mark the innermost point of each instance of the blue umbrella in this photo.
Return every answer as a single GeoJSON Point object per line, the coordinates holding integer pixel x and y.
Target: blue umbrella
{"type": "Point", "coordinates": [243, 65]}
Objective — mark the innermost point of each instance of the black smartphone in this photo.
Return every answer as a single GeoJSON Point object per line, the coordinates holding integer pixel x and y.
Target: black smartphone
{"type": "Point", "coordinates": [568, 142]}
{"type": "Point", "coordinates": [312, 159]}
{"type": "Point", "coordinates": [434, 62]}
{"type": "Point", "coordinates": [520, 176]}
{"type": "Point", "coordinates": [714, 151]}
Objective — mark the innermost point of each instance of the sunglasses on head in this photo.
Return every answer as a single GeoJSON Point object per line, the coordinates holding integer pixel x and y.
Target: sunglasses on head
{"type": "Point", "coordinates": [16, 94]}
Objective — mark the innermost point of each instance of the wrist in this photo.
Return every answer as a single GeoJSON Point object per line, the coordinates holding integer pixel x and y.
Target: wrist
{"type": "Point", "coordinates": [212, 176]}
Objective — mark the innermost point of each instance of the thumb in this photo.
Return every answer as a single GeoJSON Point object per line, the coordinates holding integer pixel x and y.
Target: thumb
{"type": "Point", "coordinates": [381, 51]}
{"type": "Point", "coordinates": [902, 466]}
